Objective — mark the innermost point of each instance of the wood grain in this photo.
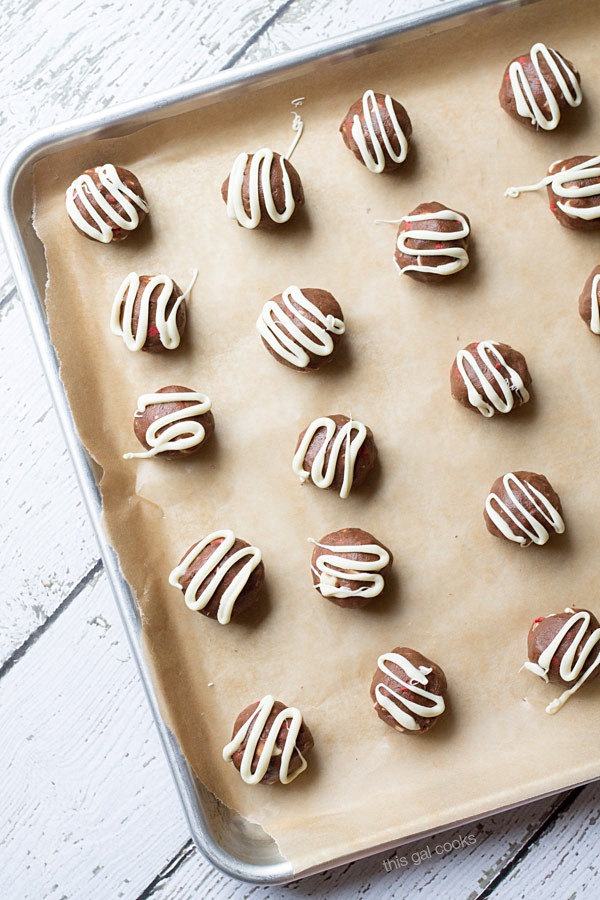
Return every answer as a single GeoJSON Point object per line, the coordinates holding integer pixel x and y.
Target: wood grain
{"type": "Point", "coordinates": [46, 540]}
{"type": "Point", "coordinates": [88, 805]}
{"type": "Point", "coordinates": [563, 860]}
{"type": "Point", "coordinates": [89, 809]}
{"type": "Point", "coordinates": [455, 873]}
{"type": "Point", "coordinates": [313, 20]}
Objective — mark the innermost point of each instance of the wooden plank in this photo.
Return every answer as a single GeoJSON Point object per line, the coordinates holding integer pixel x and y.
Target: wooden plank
{"type": "Point", "coordinates": [64, 58]}
{"type": "Point", "coordinates": [313, 20]}
{"type": "Point", "coordinates": [88, 804]}
{"type": "Point", "coordinates": [456, 871]}
{"type": "Point", "coordinates": [563, 860]}
{"type": "Point", "coordinates": [46, 540]}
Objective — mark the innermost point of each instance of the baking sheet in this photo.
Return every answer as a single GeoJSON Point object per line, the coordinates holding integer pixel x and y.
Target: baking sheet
{"type": "Point", "coordinates": [461, 597]}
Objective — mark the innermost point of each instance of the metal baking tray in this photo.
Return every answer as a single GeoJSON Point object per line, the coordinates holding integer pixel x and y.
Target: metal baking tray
{"type": "Point", "coordinates": [239, 849]}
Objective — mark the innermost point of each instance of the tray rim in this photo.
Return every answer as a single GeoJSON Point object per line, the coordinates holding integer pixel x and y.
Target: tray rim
{"type": "Point", "coordinates": [123, 119]}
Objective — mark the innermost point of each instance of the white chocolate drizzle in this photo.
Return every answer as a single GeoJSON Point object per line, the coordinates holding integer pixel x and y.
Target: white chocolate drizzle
{"type": "Point", "coordinates": [214, 570]}
{"type": "Point", "coordinates": [85, 190]}
{"type": "Point", "coordinates": [121, 319]}
{"type": "Point", "coordinates": [595, 305]}
{"type": "Point", "coordinates": [178, 430]}
{"type": "Point", "coordinates": [333, 567]}
{"type": "Point", "coordinates": [590, 168]}
{"type": "Point", "coordinates": [572, 663]}
{"type": "Point", "coordinates": [277, 328]}
{"type": "Point", "coordinates": [525, 101]}
{"type": "Point", "coordinates": [251, 732]}
{"type": "Point", "coordinates": [459, 256]}
{"type": "Point", "coordinates": [535, 531]}
{"type": "Point", "coordinates": [321, 473]}
{"type": "Point", "coordinates": [259, 177]}
{"type": "Point", "coordinates": [400, 708]}
{"type": "Point", "coordinates": [297, 126]}
{"type": "Point", "coordinates": [375, 161]}
{"type": "Point", "coordinates": [499, 391]}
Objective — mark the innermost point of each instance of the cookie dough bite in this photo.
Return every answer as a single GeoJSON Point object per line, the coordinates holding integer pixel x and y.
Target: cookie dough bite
{"type": "Point", "coordinates": [335, 452]}
{"type": "Point", "coordinates": [172, 423]}
{"type": "Point", "coordinates": [269, 743]}
{"type": "Point", "coordinates": [539, 86]}
{"type": "Point", "coordinates": [574, 192]}
{"type": "Point", "coordinates": [302, 328]}
{"type": "Point", "coordinates": [490, 377]}
{"type": "Point", "coordinates": [263, 190]}
{"type": "Point", "coordinates": [589, 301]}
{"type": "Point", "coordinates": [349, 567]}
{"type": "Point", "coordinates": [149, 312]}
{"type": "Point", "coordinates": [408, 691]}
{"type": "Point", "coordinates": [377, 129]}
{"type": "Point", "coordinates": [220, 576]}
{"type": "Point", "coordinates": [564, 648]}
{"type": "Point", "coordinates": [106, 203]}
{"type": "Point", "coordinates": [524, 508]}
{"type": "Point", "coordinates": [573, 187]}
{"type": "Point", "coordinates": [432, 243]}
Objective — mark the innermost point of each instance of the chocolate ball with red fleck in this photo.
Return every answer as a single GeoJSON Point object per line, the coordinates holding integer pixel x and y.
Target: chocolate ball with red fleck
{"type": "Point", "coordinates": [130, 181]}
{"type": "Point", "coordinates": [442, 228]}
{"type": "Point", "coordinates": [389, 685]}
{"type": "Point", "coordinates": [152, 412]}
{"type": "Point", "coordinates": [514, 499]}
{"type": "Point", "coordinates": [356, 112]}
{"type": "Point", "coordinates": [277, 189]}
{"type": "Point", "coordinates": [292, 318]}
{"type": "Point", "coordinates": [563, 208]}
{"type": "Point", "coordinates": [248, 595]}
{"type": "Point", "coordinates": [153, 343]}
{"type": "Point", "coordinates": [511, 358]}
{"type": "Point", "coordinates": [343, 550]}
{"type": "Point", "coordinates": [304, 743]}
{"type": "Point", "coordinates": [532, 79]}
{"type": "Point", "coordinates": [365, 458]}
{"type": "Point", "coordinates": [544, 630]}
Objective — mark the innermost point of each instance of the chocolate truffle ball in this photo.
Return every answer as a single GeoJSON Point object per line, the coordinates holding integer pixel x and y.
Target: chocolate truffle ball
{"type": "Point", "coordinates": [432, 243]}
{"type": "Point", "coordinates": [538, 87]}
{"type": "Point", "coordinates": [221, 576]}
{"type": "Point", "coordinates": [302, 328]}
{"type": "Point", "coordinates": [490, 377]}
{"type": "Point", "coordinates": [574, 192]}
{"type": "Point", "coordinates": [149, 313]}
{"type": "Point", "coordinates": [106, 203]}
{"type": "Point", "coordinates": [269, 743]}
{"type": "Point", "coordinates": [589, 301]}
{"type": "Point", "coordinates": [377, 129]}
{"type": "Point", "coordinates": [172, 423]}
{"type": "Point", "coordinates": [263, 190]}
{"type": "Point", "coordinates": [408, 691]}
{"type": "Point", "coordinates": [524, 508]}
{"type": "Point", "coordinates": [349, 567]}
{"type": "Point", "coordinates": [564, 648]}
{"type": "Point", "coordinates": [335, 452]}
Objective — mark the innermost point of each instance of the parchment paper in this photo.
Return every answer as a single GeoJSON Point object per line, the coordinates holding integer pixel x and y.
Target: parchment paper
{"type": "Point", "coordinates": [457, 594]}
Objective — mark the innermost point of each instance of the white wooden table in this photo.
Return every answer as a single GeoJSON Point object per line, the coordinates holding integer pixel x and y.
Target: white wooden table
{"type": "Point", "coordinates": [88, 809]}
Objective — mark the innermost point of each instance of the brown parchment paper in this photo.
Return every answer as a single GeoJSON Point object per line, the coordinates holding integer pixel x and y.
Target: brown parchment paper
{"type": "Point", "coordinates": [457, 594]}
